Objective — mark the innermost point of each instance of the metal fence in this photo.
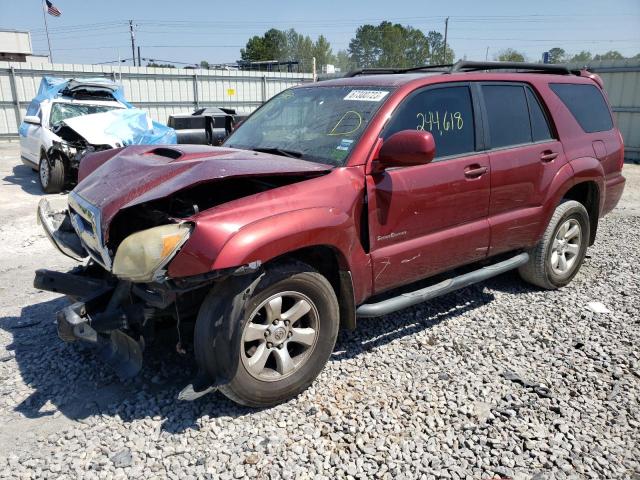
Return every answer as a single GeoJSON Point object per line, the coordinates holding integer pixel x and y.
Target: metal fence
{"type": "Point", "coordinates": [166, 91]}
{"type": "Point", "coordinates": [159, 91]}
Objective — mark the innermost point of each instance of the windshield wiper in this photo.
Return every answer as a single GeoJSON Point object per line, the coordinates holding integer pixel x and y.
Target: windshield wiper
{"type": "Point", "coordinates": [279, 151]}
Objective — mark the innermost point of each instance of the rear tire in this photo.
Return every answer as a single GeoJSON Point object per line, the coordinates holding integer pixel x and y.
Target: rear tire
{"type": "Point", "coordinates": [51, 176]}
{"type": "Point", "coordinates": [556, 259]}
{"type": "Point", "coordinates": [287, 334]}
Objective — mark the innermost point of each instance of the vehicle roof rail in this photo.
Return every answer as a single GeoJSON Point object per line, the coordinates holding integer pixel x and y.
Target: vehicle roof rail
{"type": "Point", "coordinates": [381, 71]}
{"type": "Point", "coordinates": [469, 66]}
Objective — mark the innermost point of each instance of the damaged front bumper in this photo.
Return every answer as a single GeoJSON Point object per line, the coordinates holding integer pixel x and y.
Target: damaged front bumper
{"type": "Point", "coordinates": [118, 317]}
{"type": "Point", "coordinates": [99, 318]}
{"type": "Point", "coordinates": [57, 226]}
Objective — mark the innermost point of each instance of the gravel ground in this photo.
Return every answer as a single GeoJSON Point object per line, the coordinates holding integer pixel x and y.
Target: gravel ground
{"type": "Point", "coordinates": [497, 380]}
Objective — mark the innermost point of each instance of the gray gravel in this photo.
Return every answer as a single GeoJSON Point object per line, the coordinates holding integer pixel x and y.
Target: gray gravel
{"type": "Point", "coordinates": [497, 380]}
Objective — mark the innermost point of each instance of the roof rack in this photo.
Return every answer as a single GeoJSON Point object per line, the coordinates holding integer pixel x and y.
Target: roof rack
{"type": "Point", "coordinates": [470, 66]}
{"type": "Point", "coordinates": [467, 66]}
{"type": "Point", "coordinates": [444, 68]}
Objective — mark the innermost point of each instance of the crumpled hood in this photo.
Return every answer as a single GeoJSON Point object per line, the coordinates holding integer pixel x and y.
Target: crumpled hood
{"type": "Point", "coordinates": [142, 173]}
{"type": "Point", "coordinates": [124, 126]}
{"type": "Point", "coordinates": [93, 127]}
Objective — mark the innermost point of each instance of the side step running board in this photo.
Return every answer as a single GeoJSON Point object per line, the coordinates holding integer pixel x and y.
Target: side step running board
{"type": "Point", "coordinates": [405, 300]}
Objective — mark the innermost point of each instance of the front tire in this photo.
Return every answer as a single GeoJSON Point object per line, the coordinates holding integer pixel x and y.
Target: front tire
{"type": "Point", "coordinates": [288, 332]}
{"type": "Point", "coordinates": [51, 175]}
{"type": "Point", "coordinates": [556, 259]}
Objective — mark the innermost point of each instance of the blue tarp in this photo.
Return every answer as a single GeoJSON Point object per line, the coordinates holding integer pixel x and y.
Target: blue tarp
{"type": "Point", "coordinates": [131, 126]}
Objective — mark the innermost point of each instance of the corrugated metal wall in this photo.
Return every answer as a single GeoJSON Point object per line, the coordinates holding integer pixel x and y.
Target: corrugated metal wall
{"type": "Point", "coordinates": [166, 91]}
{"type": "Point", "coordinates": [622, 83]}
{"type": "Point", "coordinates": [160, 91]}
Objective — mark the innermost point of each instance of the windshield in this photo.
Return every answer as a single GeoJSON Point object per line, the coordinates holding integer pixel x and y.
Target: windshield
{"type": "Point", "coordinates": [62, 111]}
{"type": "Point", "coordinates": [321, 124]}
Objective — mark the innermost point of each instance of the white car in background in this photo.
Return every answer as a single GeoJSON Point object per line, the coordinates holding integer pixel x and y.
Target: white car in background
{"type": "Point", "coordinates": [40, 131]}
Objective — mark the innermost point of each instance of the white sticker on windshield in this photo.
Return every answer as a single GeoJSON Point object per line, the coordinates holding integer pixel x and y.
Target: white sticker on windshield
{"type": "Point", "coordinates": [366, 95]}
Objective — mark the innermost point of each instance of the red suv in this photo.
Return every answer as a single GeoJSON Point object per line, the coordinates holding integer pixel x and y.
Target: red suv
{"type": "Point", "coordinates": [329, 203]}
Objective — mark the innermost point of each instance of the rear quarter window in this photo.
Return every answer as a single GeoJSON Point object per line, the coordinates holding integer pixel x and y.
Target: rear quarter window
{"type": "Point", "coordinates": [586, 104]}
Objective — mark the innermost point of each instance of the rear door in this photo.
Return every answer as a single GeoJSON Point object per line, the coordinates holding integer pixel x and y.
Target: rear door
{"type": "Point", "coordinates": [429, 218]}
{"type": "Point", "coordinates": [525, 155]}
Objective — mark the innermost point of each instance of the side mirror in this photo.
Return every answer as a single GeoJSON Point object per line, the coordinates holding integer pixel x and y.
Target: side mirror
{"type": "Point", "coordinates": [406, 148]}
{"type": "Point", "coordinates": [32, 119]}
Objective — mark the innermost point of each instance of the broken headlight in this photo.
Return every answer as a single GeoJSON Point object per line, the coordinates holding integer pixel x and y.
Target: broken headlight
{"type": "Point", "coordinates": [67, 149]}
{"type": "Point", "coordinates": [141, 256]}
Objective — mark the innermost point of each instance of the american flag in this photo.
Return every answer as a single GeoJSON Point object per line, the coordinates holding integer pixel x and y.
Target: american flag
{"type": "Point", "coordinates": [52, 9]}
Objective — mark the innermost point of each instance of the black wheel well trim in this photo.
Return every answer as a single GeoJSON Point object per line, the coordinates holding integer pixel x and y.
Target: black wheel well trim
{"type": "Point", "coordinates": [331, 263]}
{"type": "Point", "coordinates": [588, 194]}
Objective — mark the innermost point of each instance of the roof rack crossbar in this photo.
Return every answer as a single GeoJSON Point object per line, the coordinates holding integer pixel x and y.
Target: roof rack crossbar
{"type": "Point", "coordinates": [471, 66]}
{"type": "Point", "coordinates": [466, 65]}
{"type": "Point", "coordinates": [381, 71]}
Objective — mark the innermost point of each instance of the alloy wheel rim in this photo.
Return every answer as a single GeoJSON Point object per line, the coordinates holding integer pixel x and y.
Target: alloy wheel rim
{"type": "Point", "coordinates": [566, 247]}
{"type": "Point", "coordinates": [44, 172]}
{"type": "Point", "coordinates": [279, 336]}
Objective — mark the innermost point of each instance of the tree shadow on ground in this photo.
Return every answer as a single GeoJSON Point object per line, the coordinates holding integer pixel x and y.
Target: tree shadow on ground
{"type": "Point", "coordinates": [68, 377]}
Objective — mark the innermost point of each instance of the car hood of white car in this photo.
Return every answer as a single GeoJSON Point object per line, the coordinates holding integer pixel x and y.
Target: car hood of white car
{"type": "Point", "coordinates": [108, 128]}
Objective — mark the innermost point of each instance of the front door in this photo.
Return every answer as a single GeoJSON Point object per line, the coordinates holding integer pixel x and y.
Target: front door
{"type": "Point", "coordinates": [429, 218]}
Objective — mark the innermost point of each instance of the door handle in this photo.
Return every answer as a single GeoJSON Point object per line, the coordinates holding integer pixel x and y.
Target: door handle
{"type": "Point", "coordinates": [548, 156]}
{"type": "Point", "coordinates": [475, 171]}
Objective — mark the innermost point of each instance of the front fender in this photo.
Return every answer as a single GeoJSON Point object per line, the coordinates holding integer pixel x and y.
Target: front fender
{"type": "Point", "coordinates": [212, 248]}
{"type": "Point", "coordinates": [273, 236]}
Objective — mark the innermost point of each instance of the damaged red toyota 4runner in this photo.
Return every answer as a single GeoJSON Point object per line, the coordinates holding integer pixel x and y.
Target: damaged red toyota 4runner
{"type": "Point", "coordinates": [347, 198]}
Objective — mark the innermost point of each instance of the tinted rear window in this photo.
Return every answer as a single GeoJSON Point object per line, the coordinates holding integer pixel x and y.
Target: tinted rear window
{"type": "Point", "coordinates": [508, 115]}
{"type": "Point", "coordinates": [587, 105]}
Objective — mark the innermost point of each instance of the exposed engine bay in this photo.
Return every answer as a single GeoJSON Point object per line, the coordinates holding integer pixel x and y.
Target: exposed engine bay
{"type": "Point", "coordinates": [189, 202]}
{"type": "Point", "coordinates": [73, 147]}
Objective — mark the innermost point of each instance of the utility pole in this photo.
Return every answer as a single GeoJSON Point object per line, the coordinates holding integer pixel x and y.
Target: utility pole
{"type": "Point", "coordinates": [486, 55]}
{"type": "Point", "coordinates": [444, 47]}
{"type": "Point", "coordinates": [133, 43]}
{"type": "Point", "coordinates": [139, 57]}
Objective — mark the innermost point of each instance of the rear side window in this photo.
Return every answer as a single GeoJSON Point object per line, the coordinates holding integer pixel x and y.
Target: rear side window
{"type": "Point", "coordinates": [586, 104]}
{"type": "Point", "coordinates": [508, 115]}
{"type": "Point", "coordinates": [539, 126]}
{"type": "Point", "coordinates": [445, 112]}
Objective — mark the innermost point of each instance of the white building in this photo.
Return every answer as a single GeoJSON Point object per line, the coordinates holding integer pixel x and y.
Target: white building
{"type": "Point", "coordinates": [15, 46]}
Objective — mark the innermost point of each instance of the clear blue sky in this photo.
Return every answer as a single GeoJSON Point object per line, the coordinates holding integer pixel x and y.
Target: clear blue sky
{"type": "Point", "coordinates": [189, 31]}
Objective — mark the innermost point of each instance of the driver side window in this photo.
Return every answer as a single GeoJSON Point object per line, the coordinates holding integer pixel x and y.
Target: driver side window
{"type": "Point", "coordinates": [445, 112]}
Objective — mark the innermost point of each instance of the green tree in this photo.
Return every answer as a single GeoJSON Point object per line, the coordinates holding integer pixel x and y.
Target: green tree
{"type": "Point", "coordinates": [365, 48]}
{"type": "Point", "coordinates": [286, 46]}
{"type": "Point", "coordinates": [343, 61]}
{"type": "Point", "coordinates": [557, 55]}
{"type": "Point", "coordinates": [204, 64]}
{"type": "Point", "coordinates": [394, 45]}
{"type": "Point", "coordinates": [610, 55]}
{"type": "Point", "coordinates": [436, 42]}
{"type": "Point", "coordinates": [510, 55]}
{"type": "Point", "coordinates": [298, 48]}
{"type": "Point", "coordinates": [582, 57]}
{"type": "Point", "coordinates": [322, 52]}
{"type": "Point", "coordinates": [271, 46]}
